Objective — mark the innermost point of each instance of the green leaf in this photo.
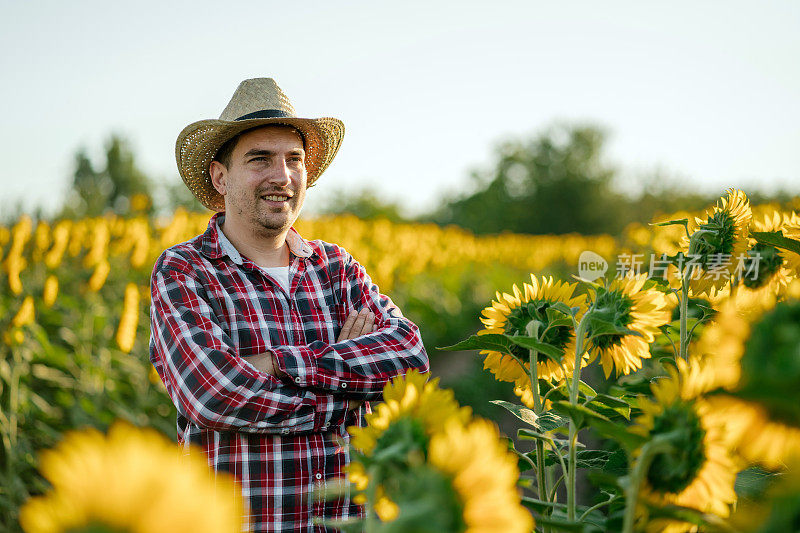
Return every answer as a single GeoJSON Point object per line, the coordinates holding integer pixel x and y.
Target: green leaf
{"type": "Point", "coordinates": [619, 433]}
{"type": "Point", "coordinates": [753, 482]}
{"type": "Point", "coordinates": [577, 413]}
{"type": "Point", "coordinates": [531, 343]}
{"type": "Point", "coordinates": [687, 514]}
{"type": "Point", "coordinates": [523, 413]}
{"type": "Point", "coordinates": [562, 307]}
{"type": "Point", "coordinates": [538, 505]}
{"type": "Point", "coordinates": [529, 434]}
{"type": "Point", "coordinates": [559, 524]}
{"type": "Point", "coordinates": [599, 327]}
{"type": "Point", "coordinates": [615, 405]}
{"type": "Point", "coordinates": [492, 341]}
{"type": "Point", "coordinates": [677, 222]}
{"type": "Point", "coordinates": [549, 421]}
{"type": "Point", "coordinates": [776, 239]}
{"type": "Point", "coordinates": [591, 459]}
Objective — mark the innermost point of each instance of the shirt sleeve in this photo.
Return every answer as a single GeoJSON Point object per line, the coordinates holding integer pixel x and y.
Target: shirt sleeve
{"type": "Point", "coordinates": [360, 367]}
{"type": "Point", "coordinates": [206, 379]}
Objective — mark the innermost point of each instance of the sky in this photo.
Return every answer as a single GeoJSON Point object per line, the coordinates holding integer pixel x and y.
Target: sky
{"type": "Point", "coordinates": [708, 92]}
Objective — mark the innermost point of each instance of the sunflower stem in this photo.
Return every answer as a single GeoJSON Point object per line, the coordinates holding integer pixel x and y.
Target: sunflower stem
{"type": "Point", "coordinates": [684, 311]}
{"type": "Point", "coordinates": [580, 334]}
{"type": "Point", "coordinates": [532, 329]}
{"type": "Point", "coordinates": [371, 522]}
{"type": "Point", "coordinates": [684, 340]}
{"type": "Point", "coordinates": [649, 451]}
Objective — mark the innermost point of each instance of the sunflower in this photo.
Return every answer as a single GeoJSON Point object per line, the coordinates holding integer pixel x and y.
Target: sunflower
{"type": "Point", "coordinates": [408, 397]}
{"type": "Point", "coordinates": [713, 258]}
{"type": "Point", "coordinates": [698, 471]}
{"type": "Point", "coordinates": [511, 313]}
{"type": "Point", "coordinates": [627, 304]}
{"type": "Point", "coordinates": [484, 475]}
{"type": "Point", "coordinates": [412, 410]}
{"type": "Point", "coordinates": [791, 229]}
{"type": "Point", "coordinates": [751, 352]}
{"type": "Point", "coordinates": [132, 480]}
{"type": "Point", "coordinates": [765, 265]}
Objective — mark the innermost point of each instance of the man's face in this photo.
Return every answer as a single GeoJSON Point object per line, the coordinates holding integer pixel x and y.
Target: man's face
{"type": "Point", "coordinates": [265, 184]}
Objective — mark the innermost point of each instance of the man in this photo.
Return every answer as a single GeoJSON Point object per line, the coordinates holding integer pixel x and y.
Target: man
{"type": "Point", "coordinates": [268, 344]}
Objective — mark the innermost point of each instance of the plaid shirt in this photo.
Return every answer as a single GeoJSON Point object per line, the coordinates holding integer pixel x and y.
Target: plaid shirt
{"type": "Point", "coordinates": [281, 439]}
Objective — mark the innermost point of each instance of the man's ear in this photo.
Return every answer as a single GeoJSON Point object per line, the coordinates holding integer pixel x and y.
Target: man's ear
{"type": "Point", "coordinates": [219, 175]}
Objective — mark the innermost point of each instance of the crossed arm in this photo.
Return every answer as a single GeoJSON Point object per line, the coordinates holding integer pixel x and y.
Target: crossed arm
{"type": "Point", "coordinates": [357, 323]}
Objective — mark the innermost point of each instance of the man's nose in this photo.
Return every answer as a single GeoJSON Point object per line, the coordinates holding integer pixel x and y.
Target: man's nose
{"type": "Point", "coordinates": [280, 175]}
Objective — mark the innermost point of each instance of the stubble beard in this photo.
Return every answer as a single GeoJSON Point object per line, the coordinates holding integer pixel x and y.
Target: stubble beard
{"type": "Point", "coordinates": [273, 221]}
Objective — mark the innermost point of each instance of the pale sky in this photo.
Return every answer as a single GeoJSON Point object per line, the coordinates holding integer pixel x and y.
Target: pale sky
{"type": "Point", "coordinates": [707, 90]}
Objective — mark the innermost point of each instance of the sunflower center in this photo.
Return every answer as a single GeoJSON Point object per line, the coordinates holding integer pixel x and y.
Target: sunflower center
{"type": "Point", "coordinates": [719, 240]}
{"type": "Point", "coordinates": [762, 262]}
{"type": "Point", "coordinates": [672, 472]}
{"type": "Point", "coordinates": [615, 307]}
{"type": "Point", "coordinates": [542, 311]}
{"type": "Point", "coordinates": [771, 363]}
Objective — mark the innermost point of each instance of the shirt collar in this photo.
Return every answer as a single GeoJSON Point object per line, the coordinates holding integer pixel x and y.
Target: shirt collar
{"type": "Point", "coordinates": [214, 244]}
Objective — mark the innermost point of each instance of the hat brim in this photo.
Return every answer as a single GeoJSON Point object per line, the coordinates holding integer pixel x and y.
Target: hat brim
{"type": "Point", "coordinates": [199, 142]}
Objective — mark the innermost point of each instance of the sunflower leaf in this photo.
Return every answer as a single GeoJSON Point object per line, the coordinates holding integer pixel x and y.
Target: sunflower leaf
{"type": "Point", "coordinates": [560, 524]}
{"type": "Point", "coordinates": [677, 222]}
{"type": "Point", "coordinates": [562, 307]}
{"type": "Point", "coordinates": [590, 459]}
{"type": "Point", "coordinates": [493, 341]}
{"type": "Point", "coordinates": [616, 405]}
{"type": "Point", "coordinates": [578, 413]}
{"type": "Point", "coordinates": [523, 413]}
{"type": "Point", "coordinates": [776, 239]}
{"type": "Point", "coordinates": [687, 514]}
{"type": "Point", "coordinates": [532, 343]}
{"type": "Point", "coordinates": [619, 433]}
{"type": "Point", "coordinates": [599, 327]}
{"type": "Point", "coordinates": [529, 434]}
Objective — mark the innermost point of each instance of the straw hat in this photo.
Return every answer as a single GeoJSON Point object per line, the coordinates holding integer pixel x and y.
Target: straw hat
{"type": "Point", "coordinates": [256, 102]}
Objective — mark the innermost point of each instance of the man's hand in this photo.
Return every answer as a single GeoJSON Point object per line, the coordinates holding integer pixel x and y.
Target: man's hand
{"type": "Point", "coordinates": [265, 362]}
{"type": "Point", "coordinates": [355, 325]}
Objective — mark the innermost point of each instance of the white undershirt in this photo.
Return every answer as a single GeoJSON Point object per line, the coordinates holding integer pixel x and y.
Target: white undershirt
{"type": "Point", "coordinates": [280, 274]}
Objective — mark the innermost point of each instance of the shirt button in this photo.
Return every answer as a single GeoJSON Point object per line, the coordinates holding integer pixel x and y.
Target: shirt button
{"type": "Point", "coordinates": [318, 475]}
{"type": "Point", "coordinates": [285, 431]}
{"type": "Point", "coordinates": [343, 385]}
{"type": "Point", "coordinates": [324, 428]}
{"type": "Point", "coordinates": [297, 379]}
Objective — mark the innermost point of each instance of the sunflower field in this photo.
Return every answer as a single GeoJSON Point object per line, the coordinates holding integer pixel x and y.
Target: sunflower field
{"type": "Point", "coordinates": [655, 390]}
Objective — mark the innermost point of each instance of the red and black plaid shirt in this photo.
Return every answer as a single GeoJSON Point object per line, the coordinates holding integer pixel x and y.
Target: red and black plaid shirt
{"type": "Point", "coordinates": [281, 439]}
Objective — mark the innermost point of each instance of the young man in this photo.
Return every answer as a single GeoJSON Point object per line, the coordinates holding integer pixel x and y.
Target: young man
{"type": "Point", "coordinates": [269, 344]}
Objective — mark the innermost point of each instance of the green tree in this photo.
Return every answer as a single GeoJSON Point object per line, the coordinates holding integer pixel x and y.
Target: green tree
{"type": "Point", "coordinates": [556, 182]}
{"type": "Point", "coordinates": [367, 203]}
{"type": "Point", "coordinates": [120, 186]}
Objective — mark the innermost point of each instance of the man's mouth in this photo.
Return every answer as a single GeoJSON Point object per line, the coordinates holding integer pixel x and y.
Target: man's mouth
{"type": "Point", "coordinates": [275, 197]}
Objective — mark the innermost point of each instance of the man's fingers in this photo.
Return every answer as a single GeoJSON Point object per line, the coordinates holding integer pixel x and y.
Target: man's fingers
{"type": "Point", "coordinates": [358, 326]}
{"type": "Point", "coordinates": [369, 324]}
{"type": "Point", "coordinates": [344, 334]}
